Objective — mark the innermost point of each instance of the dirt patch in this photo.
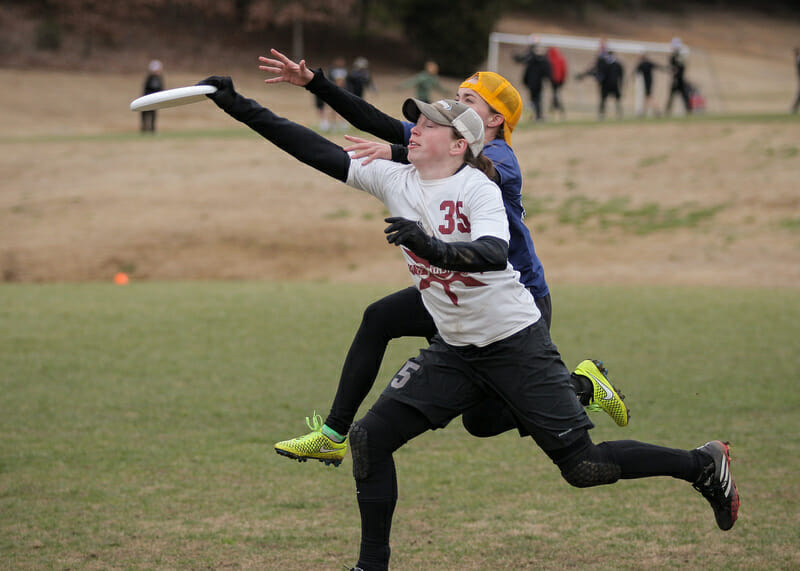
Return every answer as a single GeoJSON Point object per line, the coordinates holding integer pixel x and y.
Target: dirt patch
{"type": "Point", "coordinates": [83, 196]}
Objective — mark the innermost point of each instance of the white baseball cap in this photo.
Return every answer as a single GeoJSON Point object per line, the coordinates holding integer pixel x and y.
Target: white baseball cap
{"type": "Point", "coordinates": [451, 113]}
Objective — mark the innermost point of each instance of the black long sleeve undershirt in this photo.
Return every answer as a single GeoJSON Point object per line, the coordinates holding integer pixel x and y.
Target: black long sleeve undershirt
{"type": "Point", "coordinates": [485, 254]}
{"type": "Point", "coordinates": [301, 142]}
{"type": "Point", "coordinates": [356, 111]}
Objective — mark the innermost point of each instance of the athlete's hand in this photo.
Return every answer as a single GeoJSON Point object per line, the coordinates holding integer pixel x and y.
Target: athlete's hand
{"type": "Point", "coordinates": [225, 94]}
{"type": "Point", "coordinates": [285, 69]}
{"type": "Point", "coordinates": [370, 149]}
{"type": "Point", "coordinates": [408, 233]}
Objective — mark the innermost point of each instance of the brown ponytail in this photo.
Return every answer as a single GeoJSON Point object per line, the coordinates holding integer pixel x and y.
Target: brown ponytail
{"type": "Point", "coordinates": [481, 162]}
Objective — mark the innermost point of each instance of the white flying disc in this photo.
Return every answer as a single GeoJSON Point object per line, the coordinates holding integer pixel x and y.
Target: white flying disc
{"type": "Point", "coordinates": [172, 97]}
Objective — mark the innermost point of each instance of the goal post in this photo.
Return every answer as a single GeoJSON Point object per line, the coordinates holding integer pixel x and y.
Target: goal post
{"type": "Point", "coordinates": [583, 43]}
{"type": "Point", "coordinates": [581, 97]}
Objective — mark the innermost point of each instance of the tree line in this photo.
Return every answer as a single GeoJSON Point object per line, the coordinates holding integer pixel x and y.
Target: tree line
{"type": "Point", "coordinates": [455, 34]}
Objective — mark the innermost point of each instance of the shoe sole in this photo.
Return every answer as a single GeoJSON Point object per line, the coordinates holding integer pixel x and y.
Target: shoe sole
{"type": "Point", "coordinates": [735, 501]}
{"type": "Point", "coordinates": [326, 461]}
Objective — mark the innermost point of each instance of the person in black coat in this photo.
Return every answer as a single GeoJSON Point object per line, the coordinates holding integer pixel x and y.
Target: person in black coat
{"type": "Point", "coordinates": [677, 64]}
{"type": "Point", "coordinates": [537, 70]}
{"type": "Point", "coordinates": [608, 72]}
{"type": "Point", "coordinates": [645, 68]}
{"type": "Point", "coordinates": [359, 78]}
{"type": "Point", "coordinates": [152, 83]}
{"type": "Point", "coordinates": [611, 83]}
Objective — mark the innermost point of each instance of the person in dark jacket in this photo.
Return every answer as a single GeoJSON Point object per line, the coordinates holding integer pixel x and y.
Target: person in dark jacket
{"type": "Point", "coordinates": [611, 85]}
{"type": "Point", "coordinates": [645, 69]}
{"type": "Point", "coordinates": [608, 72]}
{"type": "Point", "coordinates": [359, 78]}
{"type": "Point", "coordinates": [537, 70]}
{"type": "Point", "coordinates": [152, 83]}
{"type": "Point", "coordinates": [677, 64]}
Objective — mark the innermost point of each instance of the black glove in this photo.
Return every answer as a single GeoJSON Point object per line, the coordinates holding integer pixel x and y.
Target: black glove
{"type": "Point", "coordinates": [487, 253]}
{"type": "Point", "coordinates": [225, 94]}
{"type": "Point", "coordinates": [408, 233]}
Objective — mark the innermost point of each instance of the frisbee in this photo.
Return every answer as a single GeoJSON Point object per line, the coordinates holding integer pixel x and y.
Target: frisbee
{"type": "Point", "coordinates": [172, 97]}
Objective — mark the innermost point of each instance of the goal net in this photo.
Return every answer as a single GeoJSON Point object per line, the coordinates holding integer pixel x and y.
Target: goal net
{"type": "Point", "coordinates": [581, 97]}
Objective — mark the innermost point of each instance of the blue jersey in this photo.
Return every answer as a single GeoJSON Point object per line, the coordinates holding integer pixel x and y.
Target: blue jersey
{"type": "Point", "coordinates": [521, 252]}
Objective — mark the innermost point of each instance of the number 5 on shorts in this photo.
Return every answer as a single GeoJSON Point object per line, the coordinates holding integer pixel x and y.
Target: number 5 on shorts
{"type": "Point", "coordinates": [404, 374]}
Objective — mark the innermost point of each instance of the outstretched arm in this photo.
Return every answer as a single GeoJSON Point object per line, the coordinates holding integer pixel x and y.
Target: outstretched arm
{"type": "Point", "coordinates": [356, 111]}
{"type": "Point", "coordinates": [300, 142]}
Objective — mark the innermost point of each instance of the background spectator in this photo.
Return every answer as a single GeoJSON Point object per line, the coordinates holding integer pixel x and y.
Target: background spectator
{"type": "Point", "coordinates": [426, 82]}
{"type": "Point", "coordinates": [154, 81]}
{"type": "Point", "coordinates": [537, 70]}
{"type": "Point", "coordinates": [359, 77]}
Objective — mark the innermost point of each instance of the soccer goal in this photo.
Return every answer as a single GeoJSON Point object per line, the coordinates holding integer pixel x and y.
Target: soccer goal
{"type": "Point", "coordinates": [580, 97]}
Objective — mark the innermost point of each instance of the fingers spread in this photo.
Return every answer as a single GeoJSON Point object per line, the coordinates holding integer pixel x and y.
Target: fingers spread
{"type": "Point", "coordinates": [279, 55]}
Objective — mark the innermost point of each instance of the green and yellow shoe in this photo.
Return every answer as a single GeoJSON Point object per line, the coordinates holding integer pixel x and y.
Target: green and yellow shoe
{"type": "Point", "coordinates": [314, 445]}
{"type": "Point", "coordinates": [606, 397]}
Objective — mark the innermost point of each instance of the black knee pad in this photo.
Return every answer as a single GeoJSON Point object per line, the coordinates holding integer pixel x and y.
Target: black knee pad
{"type": "Point", "coordinates": [359, 451]}
{"type": "Point", "coordinates": [386, 427]}
{"type": "Point", "coordinates": [590, 469]}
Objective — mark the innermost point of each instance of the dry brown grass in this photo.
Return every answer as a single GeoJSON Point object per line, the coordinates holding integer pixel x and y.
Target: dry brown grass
{"type": "Point", "coordinates": [219, 204]}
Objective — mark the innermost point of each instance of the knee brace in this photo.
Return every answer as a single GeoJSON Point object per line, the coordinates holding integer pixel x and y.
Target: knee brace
{"type": "Point", "coordinates": [359, 450]}
{"type": "Point", "coordinates": [589, 469]}
{"type": "Point", "coordinates": [386, 427]}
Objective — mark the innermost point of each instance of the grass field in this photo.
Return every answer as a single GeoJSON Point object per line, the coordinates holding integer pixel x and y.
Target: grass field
{"type": "Point", "coordinates": [137, 423]}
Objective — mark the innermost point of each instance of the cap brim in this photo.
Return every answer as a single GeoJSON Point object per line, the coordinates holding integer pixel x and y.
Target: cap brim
{"type": "Point", "coordinates": [413, 108]}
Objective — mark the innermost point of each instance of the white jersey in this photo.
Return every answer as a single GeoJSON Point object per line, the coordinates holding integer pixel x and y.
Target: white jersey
{"type": "Point", "coordinates": [469, 308]}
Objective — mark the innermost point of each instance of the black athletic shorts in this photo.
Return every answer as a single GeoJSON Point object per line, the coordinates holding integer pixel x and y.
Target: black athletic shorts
{"type": "Point", "coordinates": [524, 370]}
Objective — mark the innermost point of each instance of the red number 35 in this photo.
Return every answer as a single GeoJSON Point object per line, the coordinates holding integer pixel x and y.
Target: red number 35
{"type": "Point", "coordinates": [453, 218]}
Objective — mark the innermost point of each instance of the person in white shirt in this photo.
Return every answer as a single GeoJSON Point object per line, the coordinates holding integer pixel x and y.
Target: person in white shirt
{"type": "Point", "coordinates": [448, 219]}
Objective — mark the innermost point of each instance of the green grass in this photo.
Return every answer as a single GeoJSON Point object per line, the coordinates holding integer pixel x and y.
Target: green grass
{"type": "Point", "coordinates": [137, 423]}
{"type": "Point", "coordinates": [792, 224]}
{"type": "Point", "coordinates": [580, 211]}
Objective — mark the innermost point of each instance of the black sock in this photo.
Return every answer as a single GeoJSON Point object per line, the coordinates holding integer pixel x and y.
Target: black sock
{"type": "Point", "coordinates": [376, 525]}
{"type": "Point", "coordinates": [642, 460]}
{"type": "Point", "coordinates": [583, 388]}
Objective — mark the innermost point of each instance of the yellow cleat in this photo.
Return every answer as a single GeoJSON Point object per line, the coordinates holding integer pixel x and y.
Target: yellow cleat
{"type": "Point", "coordinates": [314, 445]}
{"type": "Point", "coordinates": [605, 397]}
